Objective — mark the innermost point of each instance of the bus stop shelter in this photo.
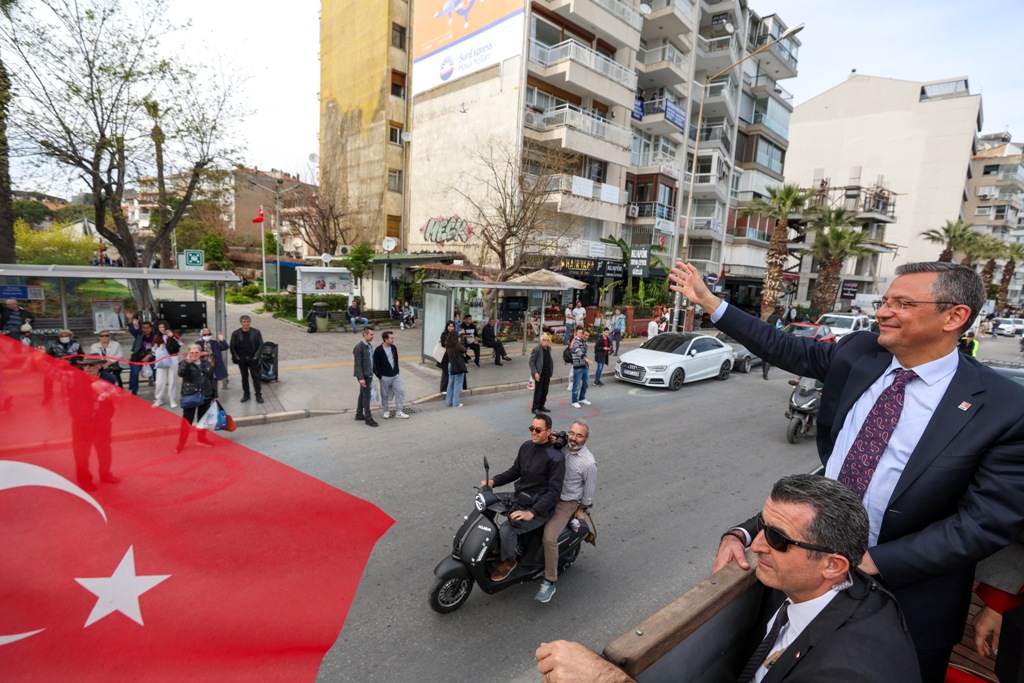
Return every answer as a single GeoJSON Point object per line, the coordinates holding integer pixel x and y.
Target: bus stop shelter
{"type": "Point", "coordinates": [219, 278]}
{"type": "Point", "coordinates": [439, 301]}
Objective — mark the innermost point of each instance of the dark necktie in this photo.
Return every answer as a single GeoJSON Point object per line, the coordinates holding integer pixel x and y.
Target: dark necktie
{"type": "Point", "coordinates": [874, 435]}
{"type": "Point", "coordinates": [781, 619]}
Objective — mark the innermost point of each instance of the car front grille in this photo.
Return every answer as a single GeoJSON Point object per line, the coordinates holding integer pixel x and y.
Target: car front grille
{"type": "Point", "coordinates": [638, 372]}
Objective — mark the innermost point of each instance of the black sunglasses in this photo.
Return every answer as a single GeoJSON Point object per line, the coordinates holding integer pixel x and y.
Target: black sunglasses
{"type": "Point", "coordinates": [779, 541]}
{"type": "Point", "coordinates": [535, 430]}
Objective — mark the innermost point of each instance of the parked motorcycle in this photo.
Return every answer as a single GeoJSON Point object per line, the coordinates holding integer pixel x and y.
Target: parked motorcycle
{"type": "Point", "coordinates": [803, 408]}
{"type": "Point", "coordinates": [476, 545]}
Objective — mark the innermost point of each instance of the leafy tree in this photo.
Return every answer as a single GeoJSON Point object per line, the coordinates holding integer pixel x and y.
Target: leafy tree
{"type": "Point", "coordinates": [87, 74]}
{"type": "Point", "coordinates": [359, 260]}
{"type": "Point", "coordinates": [72, 213]}
{"type": "Point", "coordinates": [214, 246]}
{"type": "Point", "coordinates": [7, 250]}
{"type": "Point", "coordinates": [1014, 254]}
{"type": "Point", "coordinates": [190, 233]}
{"type": "Point", "coordinates": [270, 243]}
{"type": "Point", "coordinates": [953, 236]}
{"type": "Point", "coordinates": [60, 245]}
{"type": "Point", "coordinates": [782, 202]}
{"type": "Point", "coordinates": [31, 211]}
{"type": "Point", "coordinates": [836, 238]}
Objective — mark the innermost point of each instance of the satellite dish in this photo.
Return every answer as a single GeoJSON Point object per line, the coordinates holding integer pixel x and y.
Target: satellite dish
{"type": "Point", "coordinates": [388, 244]}
{"type": "Point", "coordinates": [729, 28]}
{"type": "Point", "coordinates": [406, 136]}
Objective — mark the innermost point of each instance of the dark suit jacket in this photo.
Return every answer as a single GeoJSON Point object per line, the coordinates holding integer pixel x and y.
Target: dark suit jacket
{"type": "Point", "coordinates": [363, 368]}
{"type": "Point", "coordinates": [234, 344]}
{"type": "Point", "coordinates": [859, 637]}
{"type": "Point", "coordinates": [961, 496]}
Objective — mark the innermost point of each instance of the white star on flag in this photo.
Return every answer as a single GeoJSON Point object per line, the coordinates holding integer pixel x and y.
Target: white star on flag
{"type": "Point", "coordinates": [120, 592]}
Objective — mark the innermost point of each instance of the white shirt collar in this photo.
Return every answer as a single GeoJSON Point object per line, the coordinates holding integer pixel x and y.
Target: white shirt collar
{"type": "Point", "coordinates": [932, 371]}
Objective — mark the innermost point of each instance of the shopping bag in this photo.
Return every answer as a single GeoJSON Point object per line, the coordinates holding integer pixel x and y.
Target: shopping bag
{"type": "Point", "coordinates": [222, 419]}
{"type": "Point", "coordinates": [439, 351]}
{"type": "Point", "coordinates": [231, 425]}
{"type": "Point", "coordinates": [146, 372]}
{"type": "Point", "coordinates": [374, 391]}
{"type": "Point", "coordinates": [163, 358]}
{"type": "Point", "coordinates": [209, 418]}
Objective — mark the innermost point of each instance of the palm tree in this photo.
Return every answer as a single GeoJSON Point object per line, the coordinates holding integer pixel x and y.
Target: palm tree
{"type": "Point", "coordinates": [836, 238]}
{"type": "Point", "coordinates": [975, 246]}
{"type": "Point", "coordinates": [952, 236]}
{"type": "Point", "coordinates": [1014, 252]}
{"type": "Point", "coordinates": [991, 248]}
{"type": "Point", "coordinates": [782, 202]}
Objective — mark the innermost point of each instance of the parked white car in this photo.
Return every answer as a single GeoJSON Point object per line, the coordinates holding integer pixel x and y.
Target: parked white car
{"type": "Point", "coordinates": [843, 324]}
{"type": "Point", "coordinates": [672, 359]}
{"type": "Point", "coordinates": [1009, 327]}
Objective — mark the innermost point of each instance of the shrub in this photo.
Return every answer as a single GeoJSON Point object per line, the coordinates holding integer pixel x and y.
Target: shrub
{"type": "Point", "coordinates": [285, 304]}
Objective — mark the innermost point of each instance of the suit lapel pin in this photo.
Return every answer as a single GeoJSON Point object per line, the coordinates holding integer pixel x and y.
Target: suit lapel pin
{"type": "Point", "coordinates": [964, 406]}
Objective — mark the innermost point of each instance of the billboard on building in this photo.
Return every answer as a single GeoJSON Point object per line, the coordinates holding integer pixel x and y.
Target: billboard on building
{"type": "Point", "coordinates": [454, 38]}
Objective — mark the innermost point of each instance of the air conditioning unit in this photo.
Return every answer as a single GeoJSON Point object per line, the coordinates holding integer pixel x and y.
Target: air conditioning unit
{"type": "Point", "coordinates": [343, 250]}
{"type": "Point", "coordinates": [633, 210]}
{"type": "Point", "coordinates": [533, 119]}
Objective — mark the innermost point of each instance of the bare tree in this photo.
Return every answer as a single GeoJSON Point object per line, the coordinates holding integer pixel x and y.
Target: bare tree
{"type": "Point", "coordinates": [510, 195]}
{"type": "Point", "coordinates": [319, 219]}
{"type": "Point", "coordinates": [94, 94]}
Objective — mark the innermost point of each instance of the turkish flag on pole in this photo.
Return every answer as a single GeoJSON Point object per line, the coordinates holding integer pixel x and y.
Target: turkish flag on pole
{"type": "Point", "coordinates": [259, 218]}
{"type": "Point", "coordinates": [128, 559]}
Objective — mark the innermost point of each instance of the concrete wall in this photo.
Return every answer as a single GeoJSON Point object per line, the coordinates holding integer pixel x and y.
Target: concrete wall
{"type": "Point", "coordinates": [880, 125]}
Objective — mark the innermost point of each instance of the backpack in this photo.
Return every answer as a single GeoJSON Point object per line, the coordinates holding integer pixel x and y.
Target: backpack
{"type": "Point", "coordinates": [567, 355]}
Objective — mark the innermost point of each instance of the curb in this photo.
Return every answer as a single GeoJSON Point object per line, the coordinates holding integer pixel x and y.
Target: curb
{"type": "Point", "coordinates": [289, 415]}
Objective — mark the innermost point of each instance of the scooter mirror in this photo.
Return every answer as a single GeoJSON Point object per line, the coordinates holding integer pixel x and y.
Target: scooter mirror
{"type": "Point", "coordinates": [486, 464]}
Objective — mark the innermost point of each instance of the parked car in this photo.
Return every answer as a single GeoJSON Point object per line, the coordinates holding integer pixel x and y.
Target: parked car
{"type": "Point", "coordinates": [822, 333]}
{"type": "Point", "coordinates": [845, 323]}
{"type": "Point", "coordinates": [673, 359]}
{"type": "Point", "coordinates": [1009, 327]}
{"type": "Point", "coordinates": [742, 358]}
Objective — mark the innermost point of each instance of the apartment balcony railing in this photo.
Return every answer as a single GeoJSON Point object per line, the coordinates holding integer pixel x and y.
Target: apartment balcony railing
{"type": "Point", "coordinates": [571, 116]}
{"type": "Point", "coordinates": [573, 51]}
{"type": "Point", "coordinates": [783, 52]}
{"type": "Point", "coordinates": [674, 113]}
{"type": "Point", "coordinates": [665, 53]}
{"type": "Point", "coordinates": [760, 235]}
{"type": "Point", "coordinates": [582, 187]}
{"type": "Point", "coordinates": [592, 249]}
{"type": "Point", "coordinates": [771, 124]}
{"type": "Point", "coordinates": [703, 178]}
{"type": "Point", "coordinates": [717, 134]}
{"type": "Point", "coordinates": [723, 87]}
{"type": "Point", "coordinates": [1016, 175]}
{"type": "Point", "coordinates": [724, 46]}
{"type": "Point", "coordinates": [763, 81]}
{"type": "Point", "coordinates": [652, 210]}
{"type": "Point", "coordinates": [684, 6]}
{"type": "Point", "coordinates": [623, 12]}
{"type": "Point", "coordinates": [655, 159]}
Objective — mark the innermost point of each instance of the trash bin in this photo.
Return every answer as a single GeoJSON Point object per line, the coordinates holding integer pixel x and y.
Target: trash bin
{"type": "Point", "coordinates": [319, 314]}
{"type": "Point", "coordinates": [268, 362]}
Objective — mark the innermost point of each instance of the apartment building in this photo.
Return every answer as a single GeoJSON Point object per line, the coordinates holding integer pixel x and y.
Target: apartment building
{"type": "Point", "coordinates": [919, 136]}
{"type": "Point", "coordinates": [611, 90]}
{"type": "Point", "coordinates": [995, 192]}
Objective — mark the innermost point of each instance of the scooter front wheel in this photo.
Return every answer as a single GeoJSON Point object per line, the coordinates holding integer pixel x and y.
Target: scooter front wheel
{"type": "Point", "coordinates": [448, 595]}
{"type": "Point", "coordinates": [795, 430]}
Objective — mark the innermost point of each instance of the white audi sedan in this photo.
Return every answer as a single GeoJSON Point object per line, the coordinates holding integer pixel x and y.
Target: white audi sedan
{"type": "Point", "coordinates": [673, 359]}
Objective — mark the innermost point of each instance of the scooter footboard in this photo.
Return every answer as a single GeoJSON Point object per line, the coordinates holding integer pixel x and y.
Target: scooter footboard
{"type": "Point", "coordinates": [450, 568]}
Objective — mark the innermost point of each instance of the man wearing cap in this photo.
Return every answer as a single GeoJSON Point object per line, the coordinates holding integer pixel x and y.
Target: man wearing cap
{"type": "Point", "coordinates": [968, 345]}
{"type": "Point", "coordinates": [246, 345]}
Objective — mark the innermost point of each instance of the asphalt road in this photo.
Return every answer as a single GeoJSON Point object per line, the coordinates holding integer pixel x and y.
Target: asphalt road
{"type": "Point", "coordinates": [674, 470]}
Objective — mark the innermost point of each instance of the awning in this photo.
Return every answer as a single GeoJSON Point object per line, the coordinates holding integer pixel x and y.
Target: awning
{"type": "Point", "coordinates": [486, 284]}
{"type": "Point", "coordinates": [547, 277]}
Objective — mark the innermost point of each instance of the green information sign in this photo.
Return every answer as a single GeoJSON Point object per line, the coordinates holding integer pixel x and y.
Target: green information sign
{"type": "Point", "coordinates": [194, 258]}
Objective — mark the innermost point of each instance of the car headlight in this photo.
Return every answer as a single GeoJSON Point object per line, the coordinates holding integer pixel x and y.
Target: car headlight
{"type": "Point", "coordinates": [658, 368]}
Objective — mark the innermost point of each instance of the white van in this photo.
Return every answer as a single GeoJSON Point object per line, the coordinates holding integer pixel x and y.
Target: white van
{"type": "Point", "coordinates": [845, 323]}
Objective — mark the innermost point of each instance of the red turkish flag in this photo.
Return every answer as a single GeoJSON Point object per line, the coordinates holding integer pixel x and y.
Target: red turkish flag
{"type": "Point", "coordinates": [214, 563]}
{"type": "Point", "coordinates": [259, 218]}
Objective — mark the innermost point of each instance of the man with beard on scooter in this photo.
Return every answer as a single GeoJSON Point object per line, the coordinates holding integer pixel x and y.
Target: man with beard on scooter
{"type": "Point", "coordinates": [539, 470]}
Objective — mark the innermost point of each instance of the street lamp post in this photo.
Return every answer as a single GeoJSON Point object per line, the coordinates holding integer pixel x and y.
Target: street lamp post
{"type": "Point", "coordinates": [693, 173]}
{"type": "Point", "coordinates": [277, 229]}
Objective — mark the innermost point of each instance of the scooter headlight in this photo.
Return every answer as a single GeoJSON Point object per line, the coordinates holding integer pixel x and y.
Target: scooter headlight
{"type": "Point", "coordinates": [478, 500]}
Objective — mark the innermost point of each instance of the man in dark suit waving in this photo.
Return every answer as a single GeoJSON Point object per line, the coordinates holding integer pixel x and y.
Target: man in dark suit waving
{"type": "Point", "coordinates": [929, 439]}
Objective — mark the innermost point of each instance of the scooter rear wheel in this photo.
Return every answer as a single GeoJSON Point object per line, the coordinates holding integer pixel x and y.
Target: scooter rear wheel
{"type": "Point", "coordinates": [448, 595]}
{"type": "Point", "coordinates": [795, 430]}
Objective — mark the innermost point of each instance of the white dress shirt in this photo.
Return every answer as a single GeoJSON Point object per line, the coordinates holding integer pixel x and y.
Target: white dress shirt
{"type": "Point", "coordinates": [800, 615]}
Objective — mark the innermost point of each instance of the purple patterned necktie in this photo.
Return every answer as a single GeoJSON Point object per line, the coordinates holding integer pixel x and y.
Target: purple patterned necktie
{"type": "Point", "coordinates": [874, 434]}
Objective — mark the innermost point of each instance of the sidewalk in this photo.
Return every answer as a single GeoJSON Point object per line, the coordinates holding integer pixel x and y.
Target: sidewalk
{"type": "Point", "coordinates": [315, 370]}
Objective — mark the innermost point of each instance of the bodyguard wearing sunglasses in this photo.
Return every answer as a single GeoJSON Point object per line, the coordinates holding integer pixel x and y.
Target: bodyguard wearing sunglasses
{"type": "Point", "coordinates": [539, 470]}
{"type": "Point", "coordinates": [826, 620]}
{"type": "Point", "coordinates": [929, 439]}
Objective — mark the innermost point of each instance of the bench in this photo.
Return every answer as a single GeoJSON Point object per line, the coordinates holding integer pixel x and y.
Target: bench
{"type": "Point", "coordinates": [52, 326]}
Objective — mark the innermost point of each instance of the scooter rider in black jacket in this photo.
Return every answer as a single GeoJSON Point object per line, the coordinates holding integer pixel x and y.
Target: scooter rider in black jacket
{"type": "Point", "coordinates": [539, 470]}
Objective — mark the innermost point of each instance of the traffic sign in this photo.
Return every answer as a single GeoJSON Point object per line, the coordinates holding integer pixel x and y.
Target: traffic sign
{"type": "Point", "coordinates": [711, 278]}
{"type": "Point", "coordinates": [195, 259]}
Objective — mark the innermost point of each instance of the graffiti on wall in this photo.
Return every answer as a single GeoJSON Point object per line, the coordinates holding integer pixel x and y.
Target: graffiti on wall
{"type": "Point", "coordinates": [452, 229]}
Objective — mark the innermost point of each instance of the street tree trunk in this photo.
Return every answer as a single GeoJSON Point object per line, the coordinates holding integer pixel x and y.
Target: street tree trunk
{"type": "Point", "coordinates": [775, 260]}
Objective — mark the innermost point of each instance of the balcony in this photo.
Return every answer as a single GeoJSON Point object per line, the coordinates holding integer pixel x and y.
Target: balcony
{"type": "Point", "coordinates": [574, 66]}
{"type": "Point", "coordinates": [771, 124]}
{"type": "Point", "coordinates": [669, 19]}
{"type": "Point", "coordinates": [663, 66]}
{"type": "Point", "coordinates": [660, 117]}
{"type": "Point", "coordinates": [720, 99]}
{"type": "Point", "coordinates": [710, 186]}
{"type": "Point", "coordinates": [1012, 174]}
{"type": "Point", "coordinates": [581, 132]}
{"type": "Point", "coordinates": [593, 249]}
{"type": "Point", "coordinates": [660, 163]}
{"type": "Point", "coordinates": [717, 53]}
{"type": "Point", "coordinates": [583, 197]}
{"type": "Point", "coordinates": [769, 86]}
{"type": "Point", "coordinates": [616, 22]}
{"type": "Point", "coordinates": [716, 136]}
{"type": "Point", "coordinates": [780, 59]}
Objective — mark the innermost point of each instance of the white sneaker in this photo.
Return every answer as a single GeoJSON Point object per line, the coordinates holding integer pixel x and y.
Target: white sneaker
{"type": "Point", "coordinates": [174, 405]}
{"type": "Point", "coordinates": [569, 388]}
{"type": "Point", "coordinates": [401, 415]}
{"type": "Point", "coordinates": [575, 405]}
{"type": "Point", "coordinates": [385, 414]}
{"type": "Point", "coordinates": [401, 326]}
{"type": "Point", "coordinates": [459, 406]}
{"type": "Point", "coordinates": [157, 404]}
{"type": "Point", "coordinates": [584, 401]}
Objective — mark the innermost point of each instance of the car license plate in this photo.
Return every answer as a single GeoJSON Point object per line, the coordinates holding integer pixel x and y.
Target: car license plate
{"type": "Point", "coordinates": [631, 373]}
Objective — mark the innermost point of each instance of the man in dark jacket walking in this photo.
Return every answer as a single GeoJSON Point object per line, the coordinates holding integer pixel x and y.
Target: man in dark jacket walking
{"type": "Point", "coordinates": [246, 345]}
{"type": "Point", "coordinates": [362, 354]}
{"type": "Point", "coordinates": [541, 369]}
{"type": "Point", "coordinates": [539, 470]}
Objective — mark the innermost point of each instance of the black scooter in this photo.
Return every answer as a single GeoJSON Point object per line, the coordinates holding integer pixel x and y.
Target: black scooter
{"type": "Point", "coordinates": [476, 544]}
{"type": "Point", "coordinates": [803, 408]}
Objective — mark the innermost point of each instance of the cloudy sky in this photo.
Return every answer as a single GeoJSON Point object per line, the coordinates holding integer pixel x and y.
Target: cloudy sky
{"type": "Point", "coordinates": [275, 46]}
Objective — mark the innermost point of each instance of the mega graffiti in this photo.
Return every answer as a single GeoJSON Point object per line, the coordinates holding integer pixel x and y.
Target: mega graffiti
{"type": "Point", "coordinates": [452, 229]}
